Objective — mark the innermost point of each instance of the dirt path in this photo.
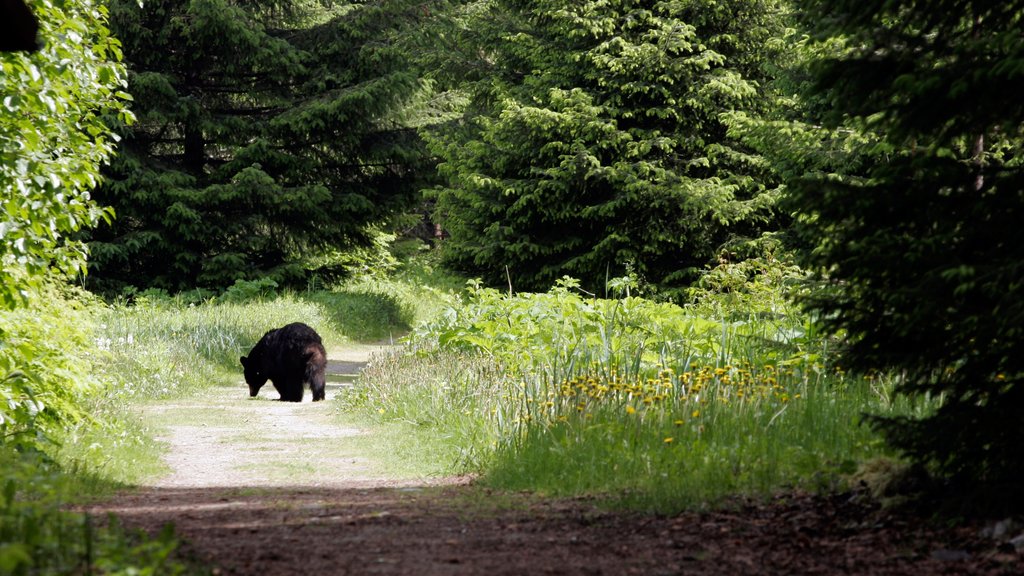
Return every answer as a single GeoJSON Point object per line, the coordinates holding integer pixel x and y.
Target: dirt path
{"type": "Point", "coordinates": [268, 488]}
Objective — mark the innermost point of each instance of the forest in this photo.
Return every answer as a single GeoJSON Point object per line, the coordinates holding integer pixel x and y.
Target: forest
{"type": "Point", "coordinates": [661, 253]}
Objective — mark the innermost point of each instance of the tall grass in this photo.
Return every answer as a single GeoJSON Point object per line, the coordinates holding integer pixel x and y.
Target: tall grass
{"type": "Point", "coordinates": [684, 441]}
{"type": "Point", "coordinates": [425, 410]}
{"type": "Point", "coordinates": [387, 304]}
{"type": "Point", "coordinates": [655, 405]}
{"type": "Point", "coordinates": [166, 346]}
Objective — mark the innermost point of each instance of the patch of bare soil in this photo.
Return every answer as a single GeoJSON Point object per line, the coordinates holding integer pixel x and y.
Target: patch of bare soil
{"type": "Point", "coordinates": [268, 488]}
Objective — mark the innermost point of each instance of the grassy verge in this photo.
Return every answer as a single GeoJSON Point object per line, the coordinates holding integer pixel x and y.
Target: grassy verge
{"type": "Point", "coordinates": [665, 455]}
{"type": "Point", "coordinates": [424, 412]}
{"type": "Point", "coordinates": [649, 404]}
{"type": "Point", "coordinates": [61, 442]}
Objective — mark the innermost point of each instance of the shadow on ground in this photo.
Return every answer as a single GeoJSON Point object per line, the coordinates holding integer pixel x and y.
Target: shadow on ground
{"type": "Point", "coordinates": [460, 529]}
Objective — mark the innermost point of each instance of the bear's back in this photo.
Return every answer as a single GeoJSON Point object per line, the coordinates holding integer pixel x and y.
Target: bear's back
{"type": "Point", "coordinates": [287, 349]}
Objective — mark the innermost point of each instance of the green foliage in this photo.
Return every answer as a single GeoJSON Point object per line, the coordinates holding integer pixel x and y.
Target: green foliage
{"type": "Point", "coordinates": [245, 290]}
{"type": "Point", "coordinates": [594, 144]}
{"type": "Point", "coordinates": [655, 405]}
{"type": "Point", "coordinates": [64, 436]}
{"type": "Point", "coordinates": [46, 362]}
{"type": "Point", "coordinates": [367, 311]}
{"type": "Point", "coordinates": [789, 136]}
{"type": "Point", "coordinates": [918, 252]}
{"type": "Point", "coordinates": [759, 286]}
{"type": "Point", "coordinates": [563, 332]}
{"type": "Point", "coordinates": [374, 306]}
{"type": "Point", "coordinates": [267, 135]}
{"type": "Point", "coordinates": [53, 140]}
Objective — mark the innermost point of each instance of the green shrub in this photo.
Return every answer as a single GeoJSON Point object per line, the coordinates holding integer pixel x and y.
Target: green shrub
{"type": "Point", "coordinates": [245, 290]}
{"type": "Point", "coordinates": [46, 360]}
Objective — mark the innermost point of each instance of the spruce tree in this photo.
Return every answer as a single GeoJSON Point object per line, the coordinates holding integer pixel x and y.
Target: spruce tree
{"type": "Point", "coordinates": [920, 254]}
{"type": "Point", "coordinates": [594, 144]}
{"type": "Point", "coordinates": [267, 132]}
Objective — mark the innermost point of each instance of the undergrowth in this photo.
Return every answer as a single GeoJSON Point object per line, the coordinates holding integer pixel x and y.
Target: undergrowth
{"type": "Point", "coordinates": [57, 447]}
{"type": "Point", "coordinates": [650, 404]}
{"type": "Point", "coordinates": [385, 303]}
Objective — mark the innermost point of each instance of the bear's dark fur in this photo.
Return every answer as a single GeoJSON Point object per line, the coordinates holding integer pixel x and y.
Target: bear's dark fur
{"type": "Point", "coordinates": [290, 357]}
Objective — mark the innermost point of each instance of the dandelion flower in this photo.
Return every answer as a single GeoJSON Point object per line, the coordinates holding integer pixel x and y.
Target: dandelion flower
{"type": "Point", "coordinates": [630, 410]}
{"type": "Point", "coordinates": [669, 440]}
{"type": "Point", "coordinates": [696, 413]}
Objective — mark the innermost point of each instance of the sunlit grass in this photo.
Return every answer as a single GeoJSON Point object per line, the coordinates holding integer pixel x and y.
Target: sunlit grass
{"type": "Point", "coordinates": [425, 411]}
{"type": "Point", "coordinates": [164, 346]}
{"type": "Point", "coordinates": [663, 444]}
{"type": "Point", "coordinates": [384, 307]}
{"type": "Point", "coordinates": [648, 404]}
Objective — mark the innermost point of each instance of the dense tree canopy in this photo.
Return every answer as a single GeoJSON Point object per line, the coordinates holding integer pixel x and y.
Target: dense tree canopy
{"type": "Point", "coordinates": [53, 139]}
{"type": "Point", "coordinates": [267, 132]}
{"type": "Point", "coordinates": [595, 145]}
{"type": "Point", "coordinates": [921, 253]}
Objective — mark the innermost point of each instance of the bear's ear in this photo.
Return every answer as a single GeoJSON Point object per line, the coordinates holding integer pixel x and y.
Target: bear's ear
{"type": "Point", "coordinates": [242, 360]}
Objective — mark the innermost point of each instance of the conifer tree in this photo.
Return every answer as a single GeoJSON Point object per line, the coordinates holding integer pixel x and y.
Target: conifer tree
{"type": "Point", "coordinates": [267, 132]}
{"type": "Point", "coordinates": [595, 144]}
{"type": "Point", "coordinates": [920, 253]}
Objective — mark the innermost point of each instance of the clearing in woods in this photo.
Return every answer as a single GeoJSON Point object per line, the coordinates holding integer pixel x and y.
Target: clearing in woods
{"type": "Point", "coordinates": [258, 487]}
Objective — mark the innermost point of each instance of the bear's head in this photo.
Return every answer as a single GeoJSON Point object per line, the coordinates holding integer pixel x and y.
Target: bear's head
{"type": "Point", "coordinates": [253, 376]}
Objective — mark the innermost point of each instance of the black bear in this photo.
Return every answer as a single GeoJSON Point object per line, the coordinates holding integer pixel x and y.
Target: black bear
{"type": "Point", "coordinates": [289, 357]}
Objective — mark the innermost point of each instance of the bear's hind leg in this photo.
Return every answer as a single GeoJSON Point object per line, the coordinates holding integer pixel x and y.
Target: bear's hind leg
{"type": "Point", "coordinates": [317, 386]}
{"type": "Point", "coordinates": [316, 364]}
